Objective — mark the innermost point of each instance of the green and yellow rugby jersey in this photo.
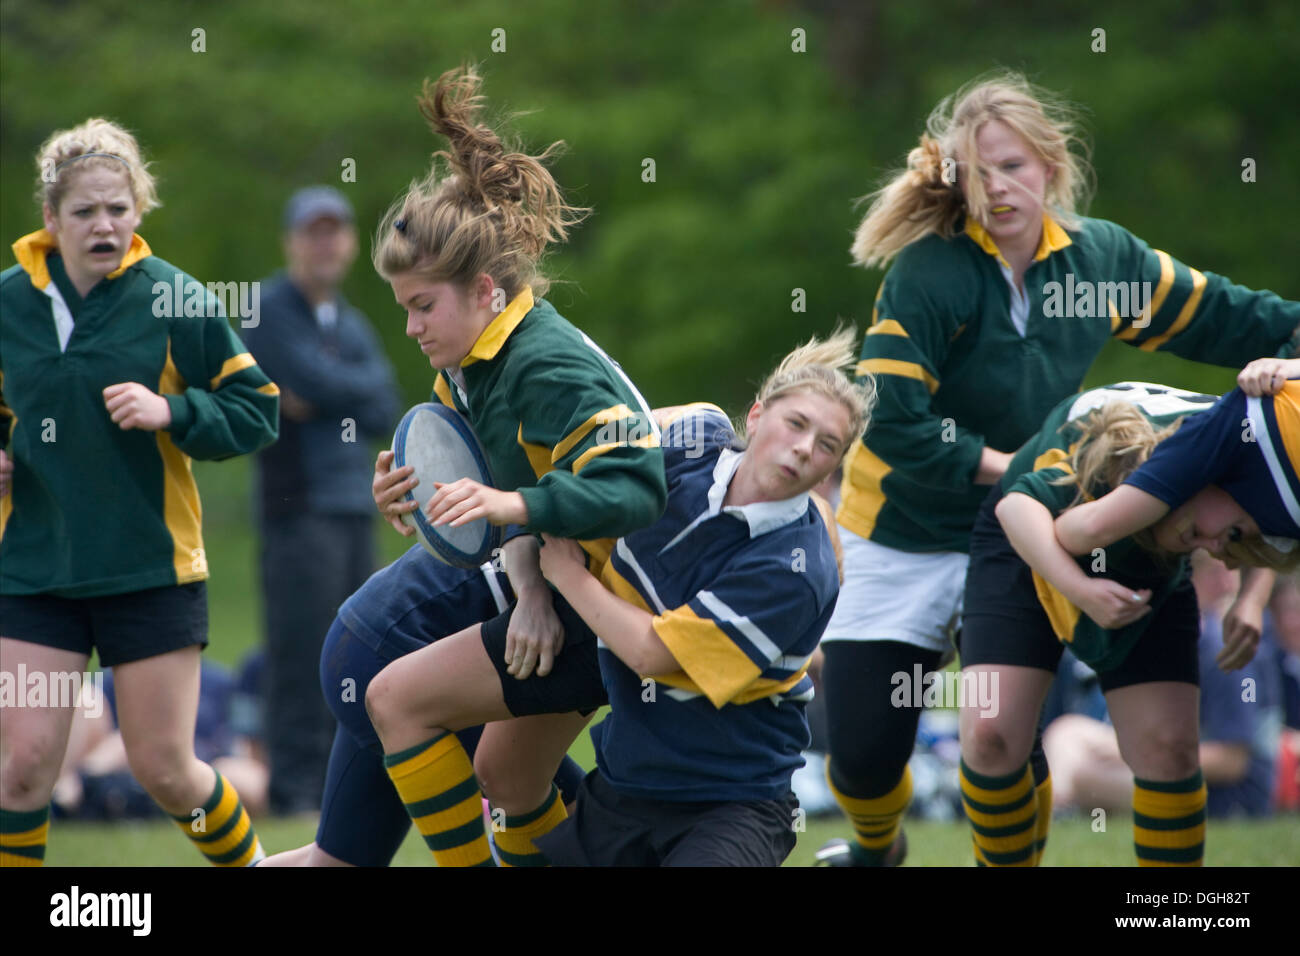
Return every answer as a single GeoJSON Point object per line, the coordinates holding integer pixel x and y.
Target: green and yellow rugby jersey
{"type": "Point", "coordinates": [95, 510]}
{"type": "Point", "coordinates": [561, 424]}
{"type": "Point", "coordinates": [954, 372]}
{"type": "Point", "coordinates": [1036, 470]}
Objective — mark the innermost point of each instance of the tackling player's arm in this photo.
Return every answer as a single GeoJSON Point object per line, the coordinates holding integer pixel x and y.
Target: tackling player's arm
{"type": "Point", "coordinates": [1116, 515]}
{"type": "Point", "coordinates": [1028, 526]}
{"type": "Point", "coordinates": [627, 630]}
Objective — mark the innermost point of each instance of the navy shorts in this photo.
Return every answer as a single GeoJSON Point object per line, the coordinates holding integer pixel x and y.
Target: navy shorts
{"type": "Point", "coordinates": [1003, 623]}
{"type": "Point", "coordinates": [408, 605]}
{"type": "Point", "coordinates": [122, 627]}
{"type": "Point", "coordinates": [609, 828]}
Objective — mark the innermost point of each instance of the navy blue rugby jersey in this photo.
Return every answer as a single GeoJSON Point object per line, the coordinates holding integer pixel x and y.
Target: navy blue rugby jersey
{"type": "Point", "coordinates": [741, 596]}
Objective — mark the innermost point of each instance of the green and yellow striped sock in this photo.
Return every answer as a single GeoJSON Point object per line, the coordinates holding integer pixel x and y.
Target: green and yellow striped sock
{"type": "Point", "coordinates": [1003, 814]}
{"type": "Point", "coordinates": [876, 820]}
{"type": "Point", "coordinates": [222, 831]}
{"type": "Point", "coordinates": [515, 845]}
{"type": "Point", "coordinates": [23, 834]}
{"type": "Point", "coordinates": [436, 781]}
{"type": "Point", "coordinates": [1043, 820]}
{"type": "Point", "coordinates": [1169, 821]}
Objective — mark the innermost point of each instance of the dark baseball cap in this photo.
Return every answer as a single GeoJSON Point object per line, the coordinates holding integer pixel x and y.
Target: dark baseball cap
{"type": "Point", "coordinates": [316, 202]}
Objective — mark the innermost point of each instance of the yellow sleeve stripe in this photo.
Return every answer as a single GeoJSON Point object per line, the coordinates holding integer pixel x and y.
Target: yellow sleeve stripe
{"type": "Point", "coordinates": [1162, 292]}
{"type": "Point", "coordinates": [1055, 458]}
{"type": "Point", "coordinates": [1184, 316]}
{"type": "Point", "coordinates": [539, 456]}
{"type": "Point", "coordinates": [1060, 612]}
{"type": "Point", "coordinates": [708, 656]}
{"type": "Point", "coordinates": [887, 327]}
{"type": "Point", "coordinates": [443, 391]}
{"type": "Point", "coordinates": [875, 304]}
{"type": "Point", "coordinates": [236, 363]}
{"type": "Point", "coordinates": [767, 687]}
{"type": "Point", "coordinates": [603, 417]}
{"type": "Point", "coordinates": [648, 441]}
{"type": "Point", "coordinates": [620, 587]}
{"type": "Point", "coordinates": [902, 369]}
{"type": "Point", "coordinates": [270, 388]}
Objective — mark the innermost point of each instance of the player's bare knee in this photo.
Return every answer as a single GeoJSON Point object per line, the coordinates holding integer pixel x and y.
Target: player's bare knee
{"type": "Point", "coordinates": [164, 774]}
{"type": "Point", "coordinates": [29, 769]}
{"type": "Point", "coordinates": [1169, 756]}
{"type": "Point", "coordinates": [987, 749]}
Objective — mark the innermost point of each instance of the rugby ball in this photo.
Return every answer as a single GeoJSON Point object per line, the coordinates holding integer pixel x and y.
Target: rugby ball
{"type": "Point", "coordinates": [442, 447]}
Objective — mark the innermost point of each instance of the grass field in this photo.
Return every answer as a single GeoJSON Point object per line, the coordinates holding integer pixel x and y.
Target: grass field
{"type": "Point", "coordinates": [1072, 843]}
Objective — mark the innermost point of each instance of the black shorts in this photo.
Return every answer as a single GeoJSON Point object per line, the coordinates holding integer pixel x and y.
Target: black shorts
{"type": "Point", "coordinates": [122, 627]}
{"type": "Point", "coordinates": [609, 828]}
{"type": "Point", "coordinates": [574, 681]}
{"type": "Point", "coordinates": [1003, 623]}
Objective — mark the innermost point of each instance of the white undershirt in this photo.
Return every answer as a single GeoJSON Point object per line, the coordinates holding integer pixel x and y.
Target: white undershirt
{"type": "Point", "coordinates": [1019, 301]}
{"type": "Point", "coordinates": [327, 315]}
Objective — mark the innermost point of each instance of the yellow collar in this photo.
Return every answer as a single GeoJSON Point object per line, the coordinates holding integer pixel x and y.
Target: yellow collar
{"type": "Point", "coordinates": [494, 336]}
{"type": "Point", "coordinates": [31, 250]}
{"type": "Point", "coordinates": [1053, 238]}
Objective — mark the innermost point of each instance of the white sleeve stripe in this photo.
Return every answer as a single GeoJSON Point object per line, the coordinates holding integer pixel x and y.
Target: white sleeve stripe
{"type": "Point", "coordinates": [741, 623]}
{"type": "Point", "coordinates": [1260, 425]}
{"type": "Point", "coordinates": [625, 553]}
{"type": "Point", "coordinates": [645, 408]}
{"type": "Point", "coordinates": [792, 664]}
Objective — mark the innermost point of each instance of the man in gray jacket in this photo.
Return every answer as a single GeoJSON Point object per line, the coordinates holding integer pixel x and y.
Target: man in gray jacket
{"type": "Point", "coordinates": [313, 493]}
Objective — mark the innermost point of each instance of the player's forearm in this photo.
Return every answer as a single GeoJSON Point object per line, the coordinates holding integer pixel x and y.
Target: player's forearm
{"type": "Point", "coordinates": [1028, 526]}
{"type": "Point", "coordinates": [1096, 524]}
{"type": "Point", "coordinates": [520, 557]}
{"type": "Point", "coordinates": [1256, 586]}
{"type": "Point", "coordinates": [625, 629]}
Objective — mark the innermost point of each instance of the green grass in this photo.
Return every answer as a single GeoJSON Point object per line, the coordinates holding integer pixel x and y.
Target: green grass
{"type": "Point", "coordinates": [1072, 843]}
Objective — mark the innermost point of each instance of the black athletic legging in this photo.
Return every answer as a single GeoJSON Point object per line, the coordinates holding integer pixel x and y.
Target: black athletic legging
{"type": "Point", "coordinates": [871, 740]}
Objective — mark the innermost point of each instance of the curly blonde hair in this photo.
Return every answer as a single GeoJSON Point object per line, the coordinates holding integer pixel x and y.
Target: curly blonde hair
{"type": "Point", "coordinates": [118, 151]}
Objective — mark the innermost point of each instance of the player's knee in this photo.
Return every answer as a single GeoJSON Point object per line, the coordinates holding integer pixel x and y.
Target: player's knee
{"type": "Point", "coordinates": [1169, 754]}
{"type": "Point", "coordinates": [986, 748]}
{"type": "Point", "coordinates": [380, 701]}
{"type": "Point", "coordinates": [163, 771]}
{"type": "Point", "coordinates": [508, 788]}
{"type": "Point", "coordinates": [30, 767]}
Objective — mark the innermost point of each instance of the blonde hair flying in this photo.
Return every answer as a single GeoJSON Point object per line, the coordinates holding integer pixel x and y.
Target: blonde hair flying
{"type": "Point", "coordinates": [927, 196]}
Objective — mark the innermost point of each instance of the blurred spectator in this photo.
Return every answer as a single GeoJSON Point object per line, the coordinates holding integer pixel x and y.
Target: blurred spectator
{"type": "Point", "coordinates": [314, 502]}
{"type": "Point", "coordinates": [95, 781]}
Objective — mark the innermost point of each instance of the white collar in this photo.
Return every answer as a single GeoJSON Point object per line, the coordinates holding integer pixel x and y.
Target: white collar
{"type": "Point", "coordinates": [761, 516]}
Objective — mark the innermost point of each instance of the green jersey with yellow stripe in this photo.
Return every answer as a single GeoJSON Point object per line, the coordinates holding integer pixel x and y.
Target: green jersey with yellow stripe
{"type": "Point", "coordinates": [95, 510]}
{"type": "Point", "coordinates": [561, 424]}
{"type": "Point", "coordinates": [962, 360]}
{"type": "Point", "coordinates": [1037, 470]}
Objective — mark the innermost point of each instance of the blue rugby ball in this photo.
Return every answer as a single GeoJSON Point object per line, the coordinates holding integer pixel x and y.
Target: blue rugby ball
{"type": "Point", "coordinates": [442, 447]}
